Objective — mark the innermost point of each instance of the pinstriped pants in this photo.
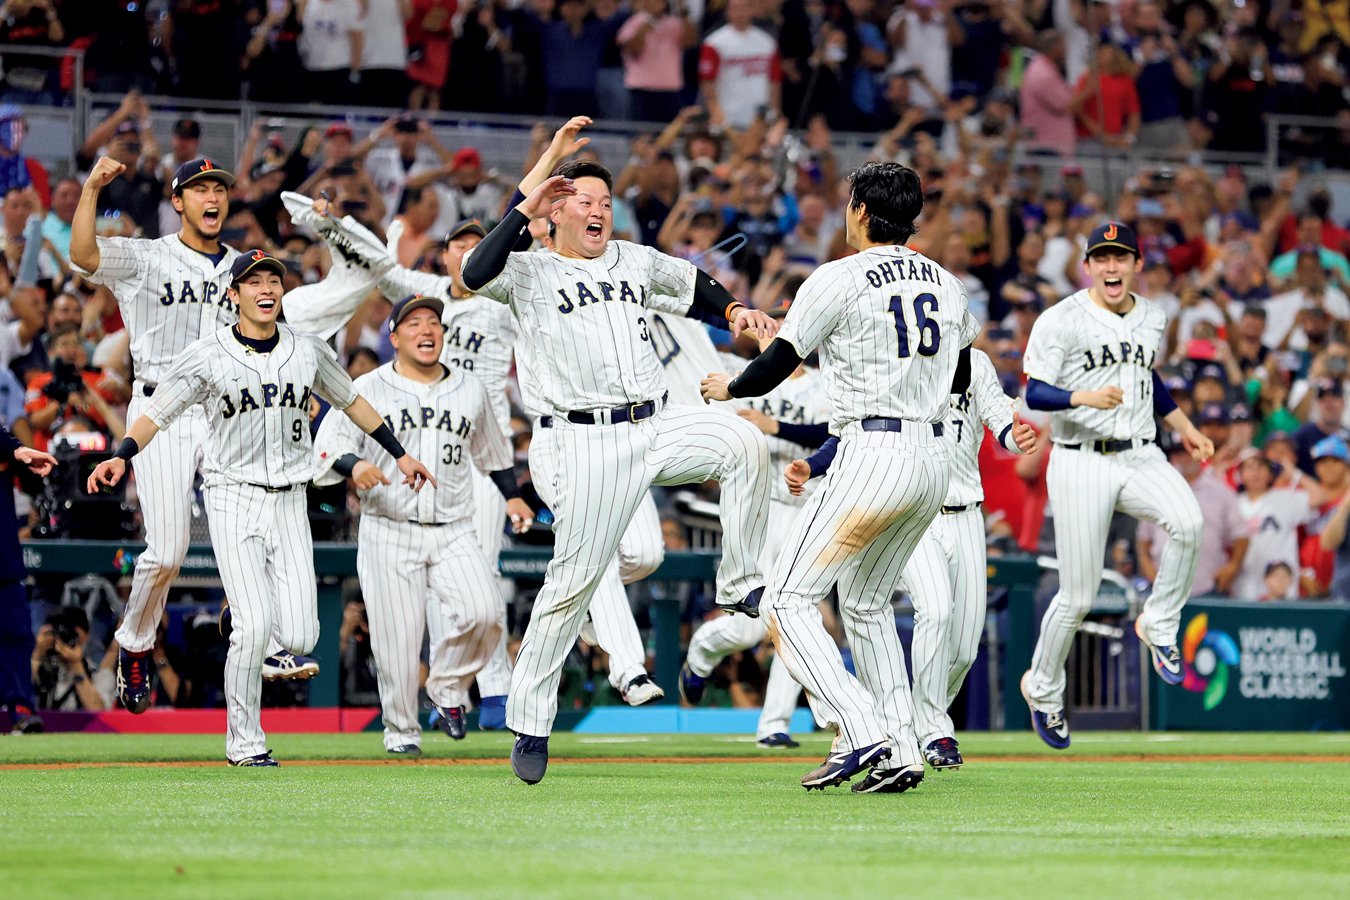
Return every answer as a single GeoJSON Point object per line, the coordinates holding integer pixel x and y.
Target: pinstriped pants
{"type": "Point", "coordinates": [265, 554]}
{"type": "Point", "coordinates": [1085, 489]}
{"type": "Point", "coordinates": [947, 581]}
{"type": "Point", "coordinates": [415, 577]}
{"type": "Point", "coordinates": [727, 634]}
{"type": "Point", "coordinates": [602, 475]}
{"type": "Point", "coordinates": [858, 531]}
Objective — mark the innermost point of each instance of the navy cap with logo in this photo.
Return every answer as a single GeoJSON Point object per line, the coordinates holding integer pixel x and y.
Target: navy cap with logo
{"type": "Point", "coordinates": [246, 263]}
{"type": "Point", "coordinates": [200, 169]}
{"type": "Point", "coordinates": [1113, 235]}
{"type": "Point", "coordinates": [1215, 414]}
{"type": "Point", "coordinates": [405, 307]}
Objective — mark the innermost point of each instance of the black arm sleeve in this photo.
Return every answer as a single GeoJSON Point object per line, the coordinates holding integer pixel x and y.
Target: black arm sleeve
{"type": "Point", "coordinates": [505, 480]}
{"type": "Point", "coordinates": [811, 435]}
{"type": "Point", "coordinates": [961, 380]}
{"type": "Point", "coordinates": [489, 257]}
{"type": "Point", "coordinates": [345, 464]}
{"type": "Point", "coordinates": [770, 369]}
{"type": "Point", "coordinates": [711, 300]}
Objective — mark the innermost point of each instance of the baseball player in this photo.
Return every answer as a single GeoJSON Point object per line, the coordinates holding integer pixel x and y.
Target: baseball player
{"type": "Point", "coordinates": [890, 325]}
{"type": "Point", "coordinates": [254, 381]}
{"type": "Point", "coordinates": [1089, 362]}
{"type": "Point", "coordinates": [946, 575]}
{"type": "Point", "coordinates": [792, 416]}
{"type": "Point", "coordinates": [583, 320]}
{"type": "Point", "coordinates": [418, 555]}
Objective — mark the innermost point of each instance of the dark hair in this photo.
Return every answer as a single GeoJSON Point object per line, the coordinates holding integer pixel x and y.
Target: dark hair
{"type": "Point", "coordinates": [585, 168]}
{"type": "Point", "coordinates": [362, 350]}
{"type": "Point", "coordinates": [411, 196]}
{"type": "Point", "coordinates": [893, 197]}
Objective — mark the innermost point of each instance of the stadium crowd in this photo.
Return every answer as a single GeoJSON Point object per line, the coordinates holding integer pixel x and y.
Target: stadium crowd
{"type": "Point", "coordinates": [738, 172]}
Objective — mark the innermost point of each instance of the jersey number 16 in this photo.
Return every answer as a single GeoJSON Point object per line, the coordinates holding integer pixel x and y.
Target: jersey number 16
{"type": "Point", "coordinates": [930, 333]}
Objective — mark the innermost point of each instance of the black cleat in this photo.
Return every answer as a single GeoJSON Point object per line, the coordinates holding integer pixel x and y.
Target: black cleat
{"type": "Point", "coordinates": [844, 764]}
{"type": "Point", "coordinates": [529, 758]}
{"type": "Point", "coordinates": [22, 720]}
{"type": "Point", "coordinates": [779, 741]}
{"type": "Point", "coordinates": [262, 759]}
{"type": "Point", "coordinates": [943, 754]}
{"type": "Point", "coordinates": [890, 781]}
{"type": "Point", "coordinates": [451, 721]}
{"type": "Point", "coordinates": [133, 680]}
{"type": "Point", "coordinates": [749, 606]}
{"type": "Point", "coordinates": [691, 685]}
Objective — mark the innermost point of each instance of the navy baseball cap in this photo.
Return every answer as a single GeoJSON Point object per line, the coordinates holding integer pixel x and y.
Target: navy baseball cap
{"type": "Point", "coordinates": [1212, 370]}
{"type": "Point", "coordinates": [1214, 413]}
{"type": "Point", "coordinates": [1333, 447]}
{"type": "Point", "coordinates": [1175, 384]}
{"type": "Point", "coordinates": [404, 307]}
{"type": "Point", "coordinates": [1241, 413]}
{"type": "Point", "coordinates": [1115, 235]}
{"type": "Point", "coordinates": [200, 169]}
{"type": "Point", "coordinates": [245, 263]}
{"type": "Point", "coordinates": [465, 226]}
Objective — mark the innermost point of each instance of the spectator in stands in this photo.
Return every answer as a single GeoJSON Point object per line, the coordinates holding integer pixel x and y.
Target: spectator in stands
{"type": "Point", "coordinates": [1287, 312]}
{"type": "Point", "coordinates": [740, 73]}
{"type": "Point", "coordinates": [1164, 77]}
{"type": "Point", "coordinates": [1223, 544]}
{"type": "Point", "coordinates": [71, 389]}
{"type": "Point", "coordinates": [1323, 546]}
{"type": "Point", "coordinates": [130, 140]}
{"type": "Point", "coordinates": [19, 205]}
{"type": "Point", "coordinates": [413, 158]}
{"type": "Point", "coordinates": [1273, 516]}
{"type": "Point", "coordinates": [384, 52]}
{"type": "Point", "coordinates": [1309, 237]}
{"type": "Point", "coordinates": [272, 56]}
{"type": "Point", "coordinates": [31, 79]}
{"type": "Point", "coordinates": [1325, 421]}
{"type": "Point", "coordinates": [205, 39]}
{"type": "Point", "coordinates": [473, 194]}
{"type": "Point", "coordinates": [356, 665]}
{"type": "Point", "coordinates": [1106, 104]}
{"type": "Point", "coordinates": [17, 170]}
{"type": "Point", "coordinates": [430, 31]}
{"type": "Point", "coordinates": [478, 61]}
{"type": "Point", "coordinates": [65, 678]}
{"type": "Point", "coordinates": [418, 214]}
{"type": "Point", "coordinates": [1238, 82]}
{"type": "Point", "coordinates": [330, 48]}
{"type": "Point", "coordinates": [185, 143]}
{"type": "Point", "coordinates": [361, 360]}
{"type": "Point", "coordinates": [1047, 100]}
{"type": "Point", "coordinates": [573, 46]}
{"type": "Point", "coordinates": [653, 41]}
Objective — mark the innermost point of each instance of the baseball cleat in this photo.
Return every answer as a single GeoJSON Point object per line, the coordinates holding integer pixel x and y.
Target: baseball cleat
{"type": "Point", "coordinates": [642, 690]}
{"type": "Point", "coordinates": [22, 720]}
{"type": "Point", "coordinates": [1050, 727]}
{"type": "Point", "coordinates": [691, 685]}
{"type": "Point", "coordinates": [492, 713]}
{"type": "Point", "coordinates": [451, 721]}
{"type": "Point", "coordinates": [749, 606]}
{"type": "Point", "coordinates": [287, 666]}
{"type": "Point", "coordinates": [133, 680]}
{"type": "Point", "coordinates": [529, 758]}
{"type": "Point", "coordinates": [842, 765]}
{"type": "Point", "coordinates": [262, 759]}
{"type": "Point", "coordinates": [1166, 657]}
{"type": "Point", "coordinates": [405, 750]}
{"type": "Point", "coordinates": [779, 741]}
{"type": "Point", "coordinates": [890, 781]}
{"type": "Point", "coordinates": [943, 754]}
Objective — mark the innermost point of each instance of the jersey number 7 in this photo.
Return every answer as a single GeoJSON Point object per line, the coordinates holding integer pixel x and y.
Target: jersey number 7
{"type": "Point", "coordinates": [930, 334]}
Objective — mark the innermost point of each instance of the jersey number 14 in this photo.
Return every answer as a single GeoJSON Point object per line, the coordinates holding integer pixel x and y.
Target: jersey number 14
{"type": "Point", "coordinates": [930, 333]}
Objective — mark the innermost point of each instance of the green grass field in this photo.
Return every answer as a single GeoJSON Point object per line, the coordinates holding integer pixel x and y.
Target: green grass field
{"type": "Point", "coordinates": [1180, 815]}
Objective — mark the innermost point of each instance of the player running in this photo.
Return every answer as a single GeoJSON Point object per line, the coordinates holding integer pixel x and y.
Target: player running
{"type": "Point", "coordinates": [253, 382]}
{"type": "Point", "coordinates": [421, 565]}
{"type": "Point", "coordinates": [890, 325]}
{"type": "Point", "coordinates": [1089, 362]}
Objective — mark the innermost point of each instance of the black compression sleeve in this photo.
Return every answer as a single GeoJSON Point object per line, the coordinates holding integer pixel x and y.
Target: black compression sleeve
{"type": "Point", "coordinates": [961, 380]}
{"type": "Point", "coordinates": [489, 258]}
{"type": "Point", "coordinates": [345, 464]}
{"type": "Point", "coordinates": [768, 370]}
{"type": "Point", "coordinates": [812, 435]}
{"type": "Point", "coordinates": [385, 438]}
{"type": "Point", "coordinates": [505, 480]}
{"type": "Point", "coordinates": [711, 300]}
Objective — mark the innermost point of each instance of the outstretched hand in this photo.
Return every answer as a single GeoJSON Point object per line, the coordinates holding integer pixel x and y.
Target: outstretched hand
{"type": "Point", "coordinates": [415, 475]}
{"type": "Point", "coordinates": [565, 141]}
{"type": "Point", "coordinates": [540, 201]}
{"type": "Point", "coordinates": [106, 474]}
{"type": "Point", "coordinates": [40, 463]}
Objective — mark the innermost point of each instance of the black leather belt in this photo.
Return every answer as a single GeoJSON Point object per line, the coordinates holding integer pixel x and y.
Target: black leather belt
{"type": "Point", "coordinates": [275, 490]}
{"type": "Point", "coordinates": [634, 412]}
{"type": "Point", "coordinates": [429, 524]}
{"type": "Point", "coordinates": [897, 425]}
{"type": "Point", "coordinates": [148, 390]}
{"type": "Point", "coordinates": [1108, 446]}
{"type": "Point", "coordinates": [953, 510]}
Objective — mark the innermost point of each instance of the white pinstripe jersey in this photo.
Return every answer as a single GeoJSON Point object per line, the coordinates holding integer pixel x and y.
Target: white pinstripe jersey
{"type": "Point", "coordinates": [479, 338]}
{"type": "Point", "coordinates": [687, 353]}
{"type": "Point", "coordinates": [801, 401]}
{"type": "Point", "coordinates": [257, 404]}
{"type": "Point", "coordinates": [983, 404]}
{"type": "Point", "coordinates": [448, 425]}
{"type": "Point", "coordinates": [889, 323]}
{"type": "Point", "coordinates": [1077, 345]}
{"type": "Point", "coordinates": [169, 295]}
{"type": "Point", "coordinates": [584, 322]}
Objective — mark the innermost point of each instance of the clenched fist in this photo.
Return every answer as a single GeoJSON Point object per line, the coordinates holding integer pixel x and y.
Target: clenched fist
{"type": "Point", "coordinates": [104, 171]}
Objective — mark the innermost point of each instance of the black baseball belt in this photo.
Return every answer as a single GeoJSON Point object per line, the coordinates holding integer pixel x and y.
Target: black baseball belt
{"type": "Point", "coordinates": [953, 510]}
{"type": "Point", "coordinates": [276, 490]}
{"type": "Point", "coordinates": [634, 412]}
{"type": "Point", "coordinates": [1107, 447]}
{"type": "Point", "coordinates": [898, 425]}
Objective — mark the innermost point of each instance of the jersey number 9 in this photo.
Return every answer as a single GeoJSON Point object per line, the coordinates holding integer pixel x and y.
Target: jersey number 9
{"type": "Point", "coordinates": [930, 334]}
{"type": "Point", "coordinates": [297, 430]}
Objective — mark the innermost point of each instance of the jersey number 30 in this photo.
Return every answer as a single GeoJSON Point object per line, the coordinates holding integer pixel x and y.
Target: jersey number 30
{"type": "Point", "coordinates": [930, 334]}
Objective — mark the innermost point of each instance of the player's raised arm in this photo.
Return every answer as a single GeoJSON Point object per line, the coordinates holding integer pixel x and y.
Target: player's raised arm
{"type": "Point", "coordinates": [488, 260]}
{"type": "Point", "coordinates": [83, 240]}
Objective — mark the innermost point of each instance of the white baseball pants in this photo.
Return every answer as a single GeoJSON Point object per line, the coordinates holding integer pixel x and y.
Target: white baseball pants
{"type": "Point", "coordinates": [603, 472]}
{"type": "Point", "coordinates": [1085, 489]}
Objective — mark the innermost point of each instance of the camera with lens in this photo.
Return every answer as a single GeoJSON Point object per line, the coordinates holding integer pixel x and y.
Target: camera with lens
{"type": "Point", "coordinates": [66, 380]}
{"type": "Point", "coordinates": [65, 509]}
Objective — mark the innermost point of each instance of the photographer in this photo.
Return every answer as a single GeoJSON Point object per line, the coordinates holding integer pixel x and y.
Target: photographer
{"type": "Point", "coordinates": [64, 677]}
{"type": "Point", "coordinates": [72, 388]}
